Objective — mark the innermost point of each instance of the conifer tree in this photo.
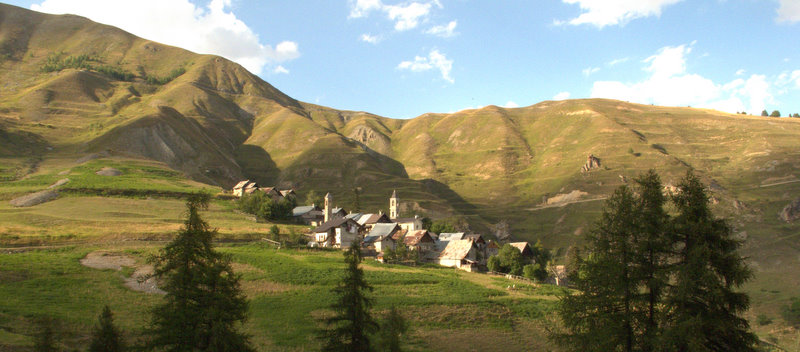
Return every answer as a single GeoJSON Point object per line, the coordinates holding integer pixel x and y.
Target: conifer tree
{"type": "Point", "coordinates": [601, 318]}
{"type": "Point", "coordinates": [351, 324]}
{"type": "Point", "coordinates": [652, 250]}
{"type": "Point", "coordinates": [106, 337]}
{"type": "Point", "coordinates": [203, 303]}
{"type": "Point", "coordinates": [705, 308]}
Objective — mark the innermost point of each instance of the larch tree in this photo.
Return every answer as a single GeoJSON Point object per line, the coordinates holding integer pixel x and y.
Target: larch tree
{"type": "Point", "coordinates": [601, 318]}
{"type": "Point", "coordinates": [204, 303]}
{"type": "Point", "coordinates": [349, 328]}
{"type": "Point", "coordinates": [704, 306]}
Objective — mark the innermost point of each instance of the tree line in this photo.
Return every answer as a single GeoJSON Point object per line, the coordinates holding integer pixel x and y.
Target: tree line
{"type": "Point", "coordinates": [654, 280]}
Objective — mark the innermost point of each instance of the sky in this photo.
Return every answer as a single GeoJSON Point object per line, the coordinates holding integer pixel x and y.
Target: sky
{"type": "Point", "coordinates": [402, 59]}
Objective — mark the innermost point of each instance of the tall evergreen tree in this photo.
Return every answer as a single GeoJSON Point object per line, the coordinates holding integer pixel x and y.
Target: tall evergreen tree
{"type": "Point", "coordinates": [350, 326]}
{"type": "Point", "coordinates": [705, 309]}
{"type": "Point", "coordinates": [601, 318]}
{"type": "Point", "coordinates": [651, 258]}
{"type": "Point", "coordinates": [106, 337]}
{"type": "Point", "coordinates": [203, 303]}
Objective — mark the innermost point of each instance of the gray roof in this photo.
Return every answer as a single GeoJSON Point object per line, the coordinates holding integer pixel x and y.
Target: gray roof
{"type": "Point", "coordinates": [356, 217]}
{"type": "Point", "coordinates": [300, 211]}
{"type": "Point", "coordinates": [333, 223]}
{"type": "Point", "coordinates": [383, 229]}
{"type": "Point", "coordinates": [451, 236]}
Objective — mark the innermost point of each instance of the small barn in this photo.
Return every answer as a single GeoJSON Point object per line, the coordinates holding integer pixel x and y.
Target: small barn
{"type": "Point", "coordinates": [244, 187]}
{"type": "Point", "coordinates": [461, 254]}
{"type": "Point", "coordinates": [524, 248]}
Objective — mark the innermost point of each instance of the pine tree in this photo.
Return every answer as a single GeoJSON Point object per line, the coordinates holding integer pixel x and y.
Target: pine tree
{"type": "Point", "coordinates": [203, 302]}
{"type": "Point", "coordinates": [705, 310]}
{"type": "Point", "coordinates": [651, 258]}
{"type": "Point", "coordinates": [391, 331]}
{"type": "Point", "coordinates": [106, 337]}
{"type": "Point", "coordinates": [601, 318]}
{"type": "Point", "coordinates": [350, 326]}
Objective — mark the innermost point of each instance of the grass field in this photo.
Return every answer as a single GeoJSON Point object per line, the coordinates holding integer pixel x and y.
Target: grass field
{"type": "Point", "coordinates": [288, 290]}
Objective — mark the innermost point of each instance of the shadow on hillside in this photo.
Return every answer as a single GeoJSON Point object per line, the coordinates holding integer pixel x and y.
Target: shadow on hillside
{"type": "Point", "coordinates": [444, 192]}
{"type": "Point", "coordinates": [256, 164]}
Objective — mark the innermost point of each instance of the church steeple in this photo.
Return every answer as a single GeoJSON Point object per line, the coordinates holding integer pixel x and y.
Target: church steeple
{"type": "Point", "coordinates": [394, 202]}
{"type": "Point", "coordinates": [328, 206]}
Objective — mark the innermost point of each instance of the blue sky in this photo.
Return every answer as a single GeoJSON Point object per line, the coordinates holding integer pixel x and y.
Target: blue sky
{"type": "Point", "coordinates": [402, 59]}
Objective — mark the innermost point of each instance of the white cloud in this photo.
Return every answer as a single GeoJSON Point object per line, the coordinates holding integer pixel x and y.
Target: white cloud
{"type": "Point", "coordinates": [435, 60]}
{"type": "Point", "coordinates": [362, 8]}
{"type": "Point", "coordinates": [405, 16]}
{"type": "Point", "coordinates": [740, 72]}
{"type": "Point", "coordinates": [212, 29]}
{"type": "Point", "coordinates": [668, 83]}
{"type": "Point", "coordinates": [561, 96]}
{"type": "Point", "coordinates": [603, 13]}
{"type": "Point", "coordinates": [280, 69]}
{"type": "Point", "coordinates": [589, 70]}
{"type": "Point", "coordinates": [369, 38]}
{"type": "Point", "coordinates": [617, 61]}
{"type": "Point", "coordinates": [511, 104]}
{"type": "Point", "coordinates": [789, 11]}
{"type": "Point", "coordinates": [444, 31]}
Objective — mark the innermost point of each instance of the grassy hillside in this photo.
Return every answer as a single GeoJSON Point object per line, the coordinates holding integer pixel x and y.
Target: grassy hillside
{"type": "Point", "coordinates": [77, 96]}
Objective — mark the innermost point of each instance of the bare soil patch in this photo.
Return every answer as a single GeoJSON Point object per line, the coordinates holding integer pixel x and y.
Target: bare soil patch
{"type": "Point", "coordinates": [139, 281]}
{"type": "Point", "coordinates": [32, 199]}
{"type": "Point", "coordinates": [108, 171]}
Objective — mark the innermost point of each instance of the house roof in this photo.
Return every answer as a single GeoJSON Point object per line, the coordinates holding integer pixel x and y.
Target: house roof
{"type": "Point", "coordinates": [524, 247]}
{"type": "Point", "coordinates": [492, 244]}
{"type": "Point", "coordinates": [332, 224]}
{"type": "Point", "coordinates": [241, 184]}
{"type": "Point", "coordinates": [369, 219]}
{"type": "Point", "coordinates": [382, 230]}
{"type": "Point", "coordinates": [475, 237]}
{"type": "Point", "coordinates": [288, 192]}
{"type": "Point", "coordinates": [399, 234]}
{"type": "Point", "coordinates": [337, 210]}
{"type": "Point", "coordinates": [457, 249]}
{"type": "Point", "coordinates": [302, 210]}
{"type": "Point", "coordinates": [394, 193]}
{"type": "Point", "coordinates": [416, 237]}
{"type": "Point", "coordinates": [356, 217]}
{"type": "Point", "coordinates": [451, 236]}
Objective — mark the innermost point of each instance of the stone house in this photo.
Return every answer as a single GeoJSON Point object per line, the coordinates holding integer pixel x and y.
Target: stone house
{"type": "Point", "coordinates": [244, 187]}
{"type": "Point", "coordinates": [337, 233]}
{"type": "Point", "coordinates": [380, 238]}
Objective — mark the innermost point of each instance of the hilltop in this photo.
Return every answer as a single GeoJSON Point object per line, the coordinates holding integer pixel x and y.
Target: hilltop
{"type": "Point", "coordinates": [76, 96]}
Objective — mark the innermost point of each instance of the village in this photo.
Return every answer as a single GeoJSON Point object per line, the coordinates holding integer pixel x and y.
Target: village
{"type": "Point", "coordinates": [382, 236]}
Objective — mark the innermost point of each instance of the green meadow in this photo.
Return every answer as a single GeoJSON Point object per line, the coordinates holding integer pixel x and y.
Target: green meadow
{"type": "Point", "coordinates": [289, 290]}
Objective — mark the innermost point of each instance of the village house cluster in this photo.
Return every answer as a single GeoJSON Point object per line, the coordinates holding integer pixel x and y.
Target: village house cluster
{"type": "Point", "coordinates": [379, 233]}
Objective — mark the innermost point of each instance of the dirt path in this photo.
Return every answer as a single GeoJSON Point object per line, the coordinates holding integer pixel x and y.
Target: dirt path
{"type": "Point", "coordinates": [139, 281]}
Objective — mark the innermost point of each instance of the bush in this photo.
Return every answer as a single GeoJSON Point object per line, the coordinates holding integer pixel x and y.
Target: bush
{"type": "Point", "coordinates": [791, 313]}
{"type": "Point", "coordinates": [763, 319]}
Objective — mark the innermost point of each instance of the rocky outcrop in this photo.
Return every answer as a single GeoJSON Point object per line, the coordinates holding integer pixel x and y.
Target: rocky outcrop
{"type": "Point", "coordinates": [592, 162]}
{"type": "Point", "coordinates": [791, 211]}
